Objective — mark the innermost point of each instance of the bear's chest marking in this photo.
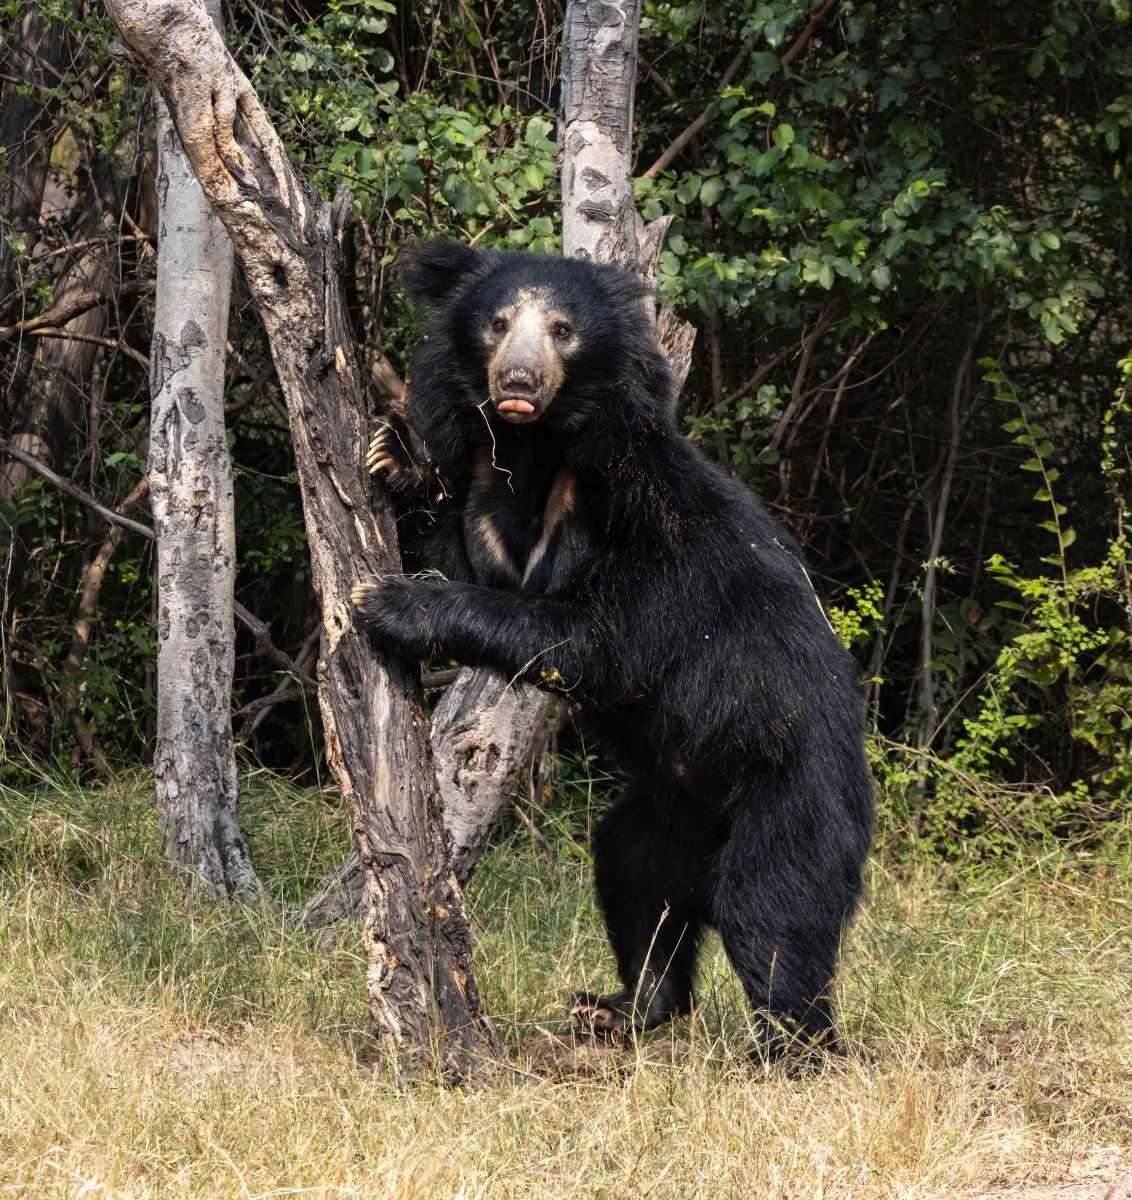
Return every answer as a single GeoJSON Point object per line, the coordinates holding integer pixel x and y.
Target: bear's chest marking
{"type": "Point", "coordinates": [512, 533]}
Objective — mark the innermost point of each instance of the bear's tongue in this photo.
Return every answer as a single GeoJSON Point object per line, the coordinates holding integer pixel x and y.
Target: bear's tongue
{"type": "Point", "coordinates": [515, 405]}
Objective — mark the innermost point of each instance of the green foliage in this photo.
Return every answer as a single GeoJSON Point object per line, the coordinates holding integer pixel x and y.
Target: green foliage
{"type": "Point", "coordinates": [1043, 743]}
{"type": "Point", "coordinates": [423, 164]}
{"type": "Point", "coordinates": [887, 207]}
{"type": "Point", "coordinates": [1061, 686]}
{"type": "Point", "coordinates": [859, 617]}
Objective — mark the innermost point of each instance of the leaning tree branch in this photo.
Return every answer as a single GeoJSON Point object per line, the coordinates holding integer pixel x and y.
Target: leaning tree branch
{"type": "Point", "coordinates": [75, 306]}
{"type": "Point", "coordinates": [73, 490]}
{"type": "Point", "coordinates": [689, 133]}
{"type": "Point", "coordinates": [420, 984]}
{"type": "Point", "coordinates": [265, 647]}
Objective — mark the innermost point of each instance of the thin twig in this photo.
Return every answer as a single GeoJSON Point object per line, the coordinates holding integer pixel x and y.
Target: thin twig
{"type": "Point", "coordinates": [72, 489]}
{"type": "Point", "coordinates": [265, 648]}
{"type": "Point", "coordinates": [67, 310]}
{"type": "Point", "coordinates": [764, 369]}
{"type": "Point", "coordinates": [824, 323]}
{"type": "Point", "coordinates": [799, 44]}
{"type": "Point", "coordinates": [936, 525]}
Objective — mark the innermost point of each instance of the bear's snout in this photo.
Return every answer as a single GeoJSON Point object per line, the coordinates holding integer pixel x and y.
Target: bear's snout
{"type": "Point", "coordinates": [518, 379]}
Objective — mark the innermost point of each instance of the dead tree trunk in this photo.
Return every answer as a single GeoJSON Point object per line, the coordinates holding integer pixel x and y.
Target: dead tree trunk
{"type": "Point", "coordinates": [54, 391]}
{"type": "Point", "coordinates": [190, 482]}
{"type": "Point", "coordinates": [484, 728]}
{"type": "Point", "coordinates": [422, 992]}
{"type": "Point", "coordinates": [482, 733]}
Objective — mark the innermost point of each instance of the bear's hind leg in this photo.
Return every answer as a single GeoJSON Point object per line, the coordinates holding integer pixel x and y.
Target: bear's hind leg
{"type": "Point", "coordinates": [781, 896]}
{"type": "Point", "coordinates": [645, 883]}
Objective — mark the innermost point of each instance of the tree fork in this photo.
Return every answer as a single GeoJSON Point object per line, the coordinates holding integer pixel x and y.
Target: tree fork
{"type": "Point", "coordinates": [420, 985]}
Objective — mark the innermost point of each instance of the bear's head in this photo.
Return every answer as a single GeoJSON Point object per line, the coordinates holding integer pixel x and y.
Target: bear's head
{"type": "Point", "coordinates": [538, 338]}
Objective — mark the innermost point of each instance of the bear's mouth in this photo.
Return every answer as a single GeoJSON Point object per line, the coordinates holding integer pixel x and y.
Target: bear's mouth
{"type": "Point", "coordinates": [519, 407]}
{"type": "Point", "coordinates": [515, 404]}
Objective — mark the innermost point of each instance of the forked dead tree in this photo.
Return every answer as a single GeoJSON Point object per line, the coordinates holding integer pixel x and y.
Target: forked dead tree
{"type": "Point", "coordinates": [485, 728]}
{"type": "Point", "coordinates": [421, 989]}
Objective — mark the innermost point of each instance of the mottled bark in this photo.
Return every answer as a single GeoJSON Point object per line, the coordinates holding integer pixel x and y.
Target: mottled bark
{"type": "Point", "coordinates": [421, 989]}
{"type": "Point", "coordinates": [482, 734]}
{"type": "Point", "coordinates": [190, 480]}
{"type": "Point", "coordinates": [595, 158]}
{"type": "Point", "coordinates": [595, 134]}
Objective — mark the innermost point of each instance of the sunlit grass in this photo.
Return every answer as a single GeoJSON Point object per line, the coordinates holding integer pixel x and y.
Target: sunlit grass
{"type": "Point", "coordinates": [155, 1044]}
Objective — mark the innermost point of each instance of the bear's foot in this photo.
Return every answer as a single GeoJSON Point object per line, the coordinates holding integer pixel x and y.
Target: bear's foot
{"type": "Point", "coordinates": [620, 1013]}
{"type": "Point", "coordinates": [794, 1047]}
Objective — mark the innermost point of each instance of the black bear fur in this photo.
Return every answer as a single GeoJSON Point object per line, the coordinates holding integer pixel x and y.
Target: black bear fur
{"type": "Point", "coordinates": [596, 552]}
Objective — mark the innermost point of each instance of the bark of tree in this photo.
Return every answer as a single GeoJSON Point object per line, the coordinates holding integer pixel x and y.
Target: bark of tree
{"type": "Point", "coordinates": [42, 409]}
{"type": "Point", "coordinates": [421, 989]}
{"type": "Point", "coordinates": [595, 131]}
{"type": "Point", "coordinates": [53, 393]}
{"type": "Point", "coordinates": [482, 732]}
{"type": "Point", "coordinates": [595, 158]}
{"type": "Point", "coordinates": [190, 482]}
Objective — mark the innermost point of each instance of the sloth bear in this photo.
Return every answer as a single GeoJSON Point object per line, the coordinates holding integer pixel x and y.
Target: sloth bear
{"type": "Point", "coordinates": [581, 542]}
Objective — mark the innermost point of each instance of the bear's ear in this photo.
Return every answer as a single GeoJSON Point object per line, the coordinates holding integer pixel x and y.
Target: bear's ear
{"type": "Point", "coordinates": [437, 269]}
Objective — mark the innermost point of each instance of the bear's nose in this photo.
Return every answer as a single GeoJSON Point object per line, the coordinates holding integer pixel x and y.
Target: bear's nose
{"type": "Point", "coordinates": [518, 379]}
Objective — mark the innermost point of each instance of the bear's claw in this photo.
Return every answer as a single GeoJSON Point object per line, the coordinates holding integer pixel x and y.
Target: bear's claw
{"type": "Point", "coordinates": [615, 1015]}
{"type": "Point", "coordinates": [362, 595]}
{"type": "Point", "coordinates": [399, 457]}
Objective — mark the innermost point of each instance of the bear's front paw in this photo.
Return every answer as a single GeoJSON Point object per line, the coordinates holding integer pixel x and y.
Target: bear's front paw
{"type": "Point", "coordinates": [401, 459]}
{"type": "Point", "coordinates": [398, 611]}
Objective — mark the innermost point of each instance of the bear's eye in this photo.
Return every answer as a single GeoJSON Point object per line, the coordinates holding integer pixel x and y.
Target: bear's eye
{"type": "Point", "coordinates": [499, 324]}
{"type": "Point", "coordinates": [562, 330]}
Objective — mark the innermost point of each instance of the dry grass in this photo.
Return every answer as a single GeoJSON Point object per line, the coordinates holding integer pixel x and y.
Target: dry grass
{"type": "Point", "coordinates": [155, 1046]}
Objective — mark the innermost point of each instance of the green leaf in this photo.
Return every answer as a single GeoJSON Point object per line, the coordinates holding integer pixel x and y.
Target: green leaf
{"type": "Point", "coordinates": [783, 137]}
{"type": "Point", "coordinates": [688, 189]}
{"type": "Point", "coordinates": [537, 131]}
{"type": "Point", "coordinates": [767, 160]}
{"type": "Point", "coordinates": [711, 191]}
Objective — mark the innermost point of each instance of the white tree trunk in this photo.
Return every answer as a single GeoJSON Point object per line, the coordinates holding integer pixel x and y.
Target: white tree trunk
{"type": "Point", "coordinates": [190, 476]}
{"type": "Point", "coordinates": [595, 158]}
{"type": "Point", "coordinates": [595, 132]}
